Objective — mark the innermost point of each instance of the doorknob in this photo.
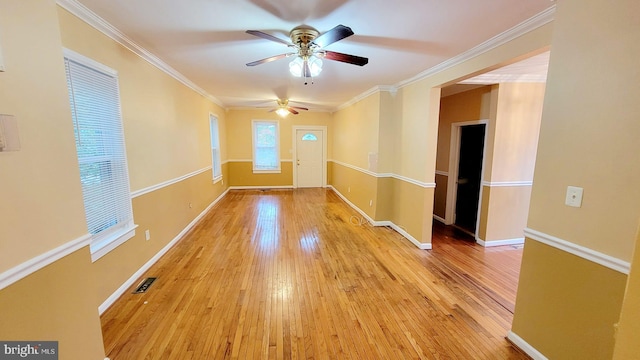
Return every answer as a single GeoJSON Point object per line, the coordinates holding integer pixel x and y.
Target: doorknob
{"type": "Point", "coordinates": [462, 181]}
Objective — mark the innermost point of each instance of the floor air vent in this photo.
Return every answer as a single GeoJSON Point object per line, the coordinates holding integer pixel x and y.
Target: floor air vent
{"type": "Point", "coordinates": [145, 285]}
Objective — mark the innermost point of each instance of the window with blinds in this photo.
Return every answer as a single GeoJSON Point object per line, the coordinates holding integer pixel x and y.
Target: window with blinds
{"type": "Point", "coordinates": [266, 150]}
{"type": "Point", "coordinates": [97, 123]}
{"type": "Point", "coordinates": [215, 148]}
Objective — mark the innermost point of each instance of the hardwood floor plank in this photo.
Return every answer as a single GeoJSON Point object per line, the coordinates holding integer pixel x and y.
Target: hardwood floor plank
{"type": "Point", "coordinates": [290, 274]}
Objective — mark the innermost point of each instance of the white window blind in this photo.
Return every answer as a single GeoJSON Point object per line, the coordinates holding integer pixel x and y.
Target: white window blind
{"type": "Point", "coordinates": [95, 109]}
{"type": "Point", "coordinates": [215, 148]}
{"type": "Point", "coordinates": [266, 151]}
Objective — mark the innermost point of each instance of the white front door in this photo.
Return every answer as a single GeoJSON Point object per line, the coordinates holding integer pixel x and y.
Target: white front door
{"type": "Point", "coordinates": [309, 160]}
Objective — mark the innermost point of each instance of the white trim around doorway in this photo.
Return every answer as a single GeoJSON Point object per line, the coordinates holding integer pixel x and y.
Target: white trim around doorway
{"type": "Point", "coordinates": [454, 159]}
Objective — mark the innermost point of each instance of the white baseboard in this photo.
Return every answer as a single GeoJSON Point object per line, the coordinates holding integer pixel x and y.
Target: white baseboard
{"type": "Point", "coordinates": [492, 243]}
{"type": "Point", "coordinates": [524, 346]}
{"type": "Point", "coordinates": [260, 187]}
{"type": "Point", "coordinates": [400, 230]}
{"type": "Point", "coordinates": [403, 232]}
{"type": "Point", "coordinates": [127, 284]}
{"type": "Point", "coordinates": [439, 219]}
{"type": "Point", "coordinates": [344, 198]}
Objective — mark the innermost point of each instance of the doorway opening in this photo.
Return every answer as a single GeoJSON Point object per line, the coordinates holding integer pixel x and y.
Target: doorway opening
{"type": "Point", "coordinates": [471, 139]}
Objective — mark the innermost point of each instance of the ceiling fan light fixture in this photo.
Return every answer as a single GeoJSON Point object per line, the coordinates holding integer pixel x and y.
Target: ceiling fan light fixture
{"type": "Point", "coordinates": [296, 67]}
{"type": "Point", "coordinates": [282, 112]}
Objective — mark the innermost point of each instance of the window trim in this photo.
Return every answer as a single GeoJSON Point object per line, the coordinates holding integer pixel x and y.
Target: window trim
{"type": "Point", "coordinates": [277, 170]}
{"type": "Point", "coordinates": [214, 118]}
{"type": "Point", "coordinates": [102, 243]}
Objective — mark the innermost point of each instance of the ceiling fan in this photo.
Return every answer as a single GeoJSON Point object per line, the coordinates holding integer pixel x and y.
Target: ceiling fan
{"type": "Point", "coordinates": [309, 47]}
{"type": "Point", "coordinates": [284, 109]}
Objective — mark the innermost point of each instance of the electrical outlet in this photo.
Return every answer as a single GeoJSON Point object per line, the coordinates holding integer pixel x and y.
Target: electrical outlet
{"type": "Point", "coordinates": [574, 196]}
{"type": "Point", "coordinates": [349, 189]}
{"type": "Point", "coordinates": [370, 202]}
{"type": "Point", "coordinates": [190, 205]}
{"type": "Point", "coordinates": [147, 235]}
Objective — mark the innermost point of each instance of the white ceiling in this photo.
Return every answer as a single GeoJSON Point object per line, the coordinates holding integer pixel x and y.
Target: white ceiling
{"type": "Point", "coordinates": [532, 69]}
{"type": "Point", "coordinates": [205, 41]}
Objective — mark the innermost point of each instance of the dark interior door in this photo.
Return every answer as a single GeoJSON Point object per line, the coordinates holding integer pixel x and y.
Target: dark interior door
{"type": "Point", "coordinates": [469, 175]}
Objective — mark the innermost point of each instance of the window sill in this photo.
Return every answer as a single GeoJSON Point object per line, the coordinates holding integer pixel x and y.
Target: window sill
{"type": "Point", "coordinates": [103, 246]}
{"type": "Point", "coordinates": [275, 171]}
{"type": "Point", "coordinates": [217, 179]}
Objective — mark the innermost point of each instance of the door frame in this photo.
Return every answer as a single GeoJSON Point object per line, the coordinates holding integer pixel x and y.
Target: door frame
{"type": "Point", "coordinates": [294, 130]}
{"type": "Point", "coordinates": [454, 162]}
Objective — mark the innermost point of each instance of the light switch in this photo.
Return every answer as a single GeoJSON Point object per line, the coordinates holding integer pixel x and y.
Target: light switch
{"type": "Point", "coordinates": [574, 196]}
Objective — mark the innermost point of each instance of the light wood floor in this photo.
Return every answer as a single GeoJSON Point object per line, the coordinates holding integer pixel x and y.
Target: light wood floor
{"type": "Point", "coordinates": [291, 274]}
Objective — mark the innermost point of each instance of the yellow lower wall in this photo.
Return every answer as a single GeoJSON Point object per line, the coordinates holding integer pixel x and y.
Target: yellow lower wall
{"type": "Point", "coordinates": [628, 336]}
{"type": "Point", "coordinates": [56, 303]}
{"type": "Point", "coordinates": [403, 203]}
{"type": "Point", "coordinates": [329, 172]}
{"type": "Point", "coordinates": [440, 197]}
{"type": "Point", "coordinates": [241, 174]}
{"type": "Point", "coordinates": [570, 305]}
{"type": "Point", "coordinates": [384, 202]}
{"type": "Point", "coordinates": [60, 301]}
{"type": "Point", "coordinates": [358, 187]}
{"type": "Point", "coordinates": [503, 212]}
{"type": "Point", "coordinates": [413, 209]}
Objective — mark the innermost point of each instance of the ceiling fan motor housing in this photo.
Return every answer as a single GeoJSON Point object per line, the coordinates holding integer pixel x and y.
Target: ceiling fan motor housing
{"type": "Point", "coordinates": [303, 37]}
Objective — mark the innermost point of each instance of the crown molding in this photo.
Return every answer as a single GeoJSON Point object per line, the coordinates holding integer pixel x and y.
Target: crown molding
{"type": "Point", "coordinates": [538, 20]}
{"type": "Point", "coordinates": [373, 90]}
{"type": "Point", "coordinates": [524, 27]}
{"type": "Point", "coordinates": [88, 16]}
{"type": "Point", "coordinates": [95, 21]}
{"type": "Point", "coordinates": [488, 79]}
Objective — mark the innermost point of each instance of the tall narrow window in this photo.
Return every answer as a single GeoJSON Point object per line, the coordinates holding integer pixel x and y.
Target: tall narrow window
{"type": "Point", "coordinates": [266, 149]}
{"type": "Point", "coordinates": [215, 148]}
{"type": "Point", "coordinates": [97, 123]}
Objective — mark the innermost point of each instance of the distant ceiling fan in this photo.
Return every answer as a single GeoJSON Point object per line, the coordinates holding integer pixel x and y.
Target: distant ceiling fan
{"type": "Point", "coordinates": [284, 109]}
{"type": "Point", "coordinates": [309, 47]}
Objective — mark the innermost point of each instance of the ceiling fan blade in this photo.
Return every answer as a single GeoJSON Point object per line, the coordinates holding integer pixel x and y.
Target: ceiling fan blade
{"type": "Point", "coordinates": [269, 59]}
{"type": "Point", "coordinates": [336, 34]}
{"type": "Point", "coordinates": [350, 59]}
{"type": "Point", "coordinates": [298, 108]}
{"type": "Point", "coordinates": [264, 35]}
